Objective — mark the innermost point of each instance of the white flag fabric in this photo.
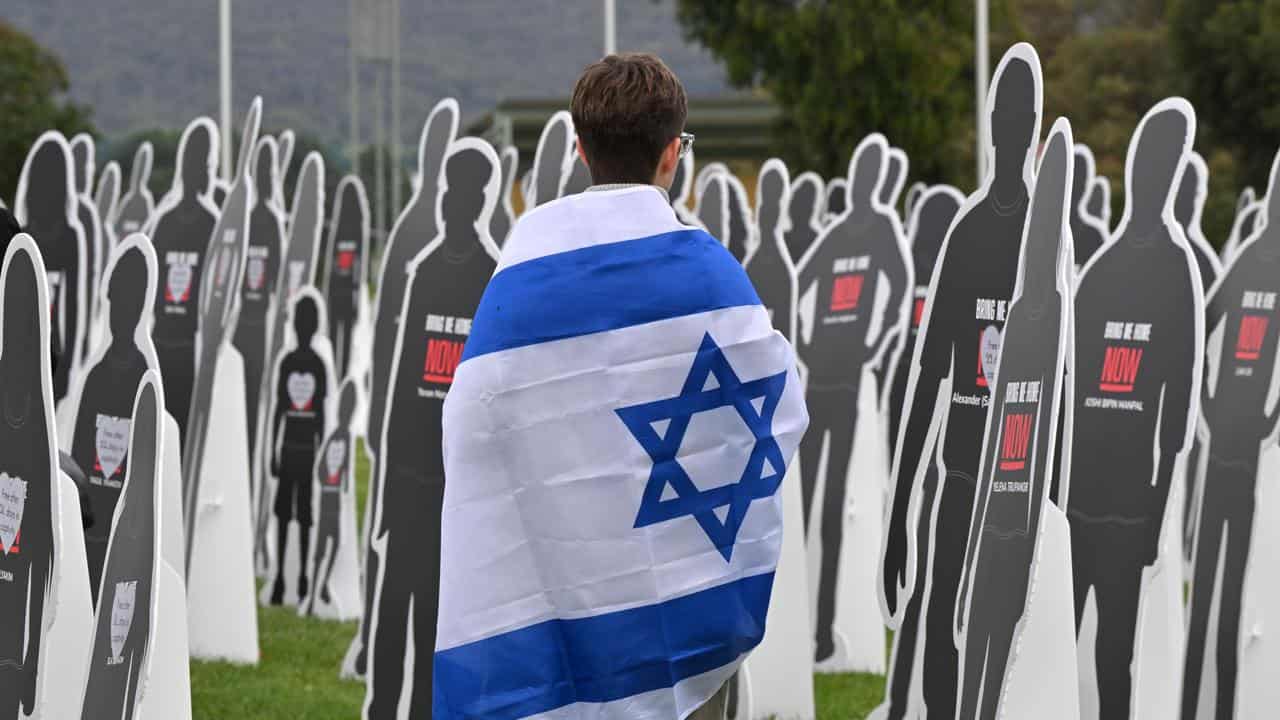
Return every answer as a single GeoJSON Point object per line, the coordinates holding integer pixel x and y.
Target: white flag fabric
{"type": "Point", "coordinates": [614, 441]}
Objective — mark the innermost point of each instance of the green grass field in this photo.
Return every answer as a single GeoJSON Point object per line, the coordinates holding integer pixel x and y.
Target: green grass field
{"type": "Point", "coordinates": [297, 676]}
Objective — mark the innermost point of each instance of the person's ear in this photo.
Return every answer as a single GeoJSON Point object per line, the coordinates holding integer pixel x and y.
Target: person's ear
{"type": "Point", "coordinates": [667, 163]}
{"type": "Point", "coordinates": [580, 151]}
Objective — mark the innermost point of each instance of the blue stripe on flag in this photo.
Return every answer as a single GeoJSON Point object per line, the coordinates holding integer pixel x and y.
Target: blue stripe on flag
{"type": "Point", "coordinates": [601, 658]}
{"type": "Point", "coordinates": [607, 287]}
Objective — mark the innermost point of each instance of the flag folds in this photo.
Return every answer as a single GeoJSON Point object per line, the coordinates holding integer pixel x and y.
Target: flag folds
{"type": "Point", "coordinates": [615, 437]}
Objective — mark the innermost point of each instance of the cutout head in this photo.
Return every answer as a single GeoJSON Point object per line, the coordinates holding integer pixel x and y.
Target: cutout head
{"type": "Point", "coordinates": [1189, 198]}
{"type": "Point", "coordinates": [49, 182]}
{"type": "Point", "coordinates": [1080, 180]}
{"type": "Point", "coordinates": [866, 172]}
{"type": "Point", "coordinates": [306, 319]}
{"type": "Point", "coordinates": [1047, 220]}
{"type": "Point", "coordinates": [806, 196]}
{"type": "Point", "coordinates": [437, 134]}
{"type": "Point", "coordinates": [771, 193]}
{"type": "Point", "coordinates": [21, 336]}
{"type": "Point", "coordinates": [895, 176]}
{"type": "Point", "coordinates": [837, 196]}
{"type": "Point", "coordinates": [127, 293]}
{"type": "Point", "coordinates": [264, 169]}
{"type": "Point", "coordinates": [1157, 155]}
{"type": "Point", "coordinates": [197, 156]}
{"type": "Point", "coordinates": [464, 194]}
{"type": "Point", "coordinates": [346, 402]}
{"type": "Point", "coordinates": [82, 160]}
{"type": "Point", "coordinates": [1014, 112]}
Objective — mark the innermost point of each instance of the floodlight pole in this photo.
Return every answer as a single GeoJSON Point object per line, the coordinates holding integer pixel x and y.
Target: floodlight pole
{"type": "Point", "coordinates": [981, 73]}
{"type": "Point", "coordinates": [224, 84]}
{"type": "Point", "coordinates": [354, 69]}
{"type": "Point", "coordinates": [610, 27]}
{"type": "Point", "coordinates": [395, 108]}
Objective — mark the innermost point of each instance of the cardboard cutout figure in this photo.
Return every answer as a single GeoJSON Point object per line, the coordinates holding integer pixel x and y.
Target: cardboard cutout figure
{"type": "Point", "coordinates": [47, 207]}
{"type": "Point", "coordinates": [895, 178]}
{"type": "Point", "coordinates": [94, 259]}
{"type": "Point", "coordinates": [302, 382]}
{"type": "Point", "coordinates": [103, 402]}
{"type": "Point", "coordinates": [682, 189]}
{"type": "Point", "coordinates": [766, 686]}
{"type": "Point", "coordinates": [1246, 222]}
{"type": "Point", "coordinates": [914, 194]}
{"type": "Point", "coordinates": [343, 283]}
{"type": "Point", "coordinates": [930, 219]}
{"type": "Point", "coordinates": [415, 228]}
{"type": "Point", "coordinates": [447, 279]}
{"type": "Point", "coordinates": [335, 571]}
{"type": "Point", "coordinates": [106, 196]}
{"type": "Point", "coordinates": [836, 200]}
{"type": "Point", "coordinates": [297, 270]}
{"type": "Point", "coordinates": [133, 669]}
{"type": "Point", "coordinates": [713, 207]}
{"type": "Point", "coordinates": [952, 371]}
{"type": "Point", "coordinates": [1239, 416]}
{"type": "Point", "coordinates": [1138, 341]}
{"type": "Point", "coordinates": [504, 216]}
{"type": "Point", "coordinates": [805, 212]}
{"type": "Point", "coordinates": [1088, 233]}
{"type": "Point", "coordinates": [137, 204]}
{"type": "Point", "coordinates": [264, 255]}
{"type": "Point", "coordinates": [861, 276]}
{"type": "Point", "coordinates": [741, 239]}
{"type": "Point", "coordinates": [552, 162]}
{"type": "Point", "coordinates": [215, 458]}
{"type": "Point", "coordinates": [44, 586]}
{"type": "Point", "coordinates": [1188, 209]}
{"type": "Point", "coordinates": [285, 142]}
{"type": "Point", "coordinates": [1098, 202]}
{"type": "Point", "coordinates": [1018, 454]}
{"type": "Point", "coordinates": [181, 233]}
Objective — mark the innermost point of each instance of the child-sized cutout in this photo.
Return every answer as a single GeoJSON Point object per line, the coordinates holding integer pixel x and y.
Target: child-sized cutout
{"type": "Point", "coordinates": [302, 382]}
{"type": "Point", "coordinates": [334, 565]}
{"type": "Point", "coordinates": [1139, 336]}
{"type": "Point", "coordinates": [103, 401]}
{"type": "Point", "coordinates": [504, 216]}
{"type": "Point", "coordinates": [940, 444]}
{"type": "Point", "coordinates": [416, 227]}
{"type": "Point", "coordinates": [343, 284]}
{"type": "Point", "coordinates": [138, 663]}
{"type": "Point", "coordinates": [1188, 209]}
{"type": "Point", "coordinates": [1006, 549]}
{"type": "Point", "coordinates": [137, 204]}
{"type": "Point", "coordinates": [767, 684]}
{"type": "Point", "coordinates": [805, 212]}
{"type": "Point", "coordinates": [44, 586]}
{"type": "Point", "coordinates": [1231, 654]}
{"type": "Point", "coordinates": [181, 232]}
{"type": "Point", "coordinates": [106, 197]}
{"type": "Point", "coordinates": [553, 160]}
{"type": "Point", "coordinates": [860, 279]}
{"type": "Point", "coordinates": [297, 269]}
{"type": "Point", "coordinates": [1088, 233]}
{"type": "Point", "coordinates": [47, 207]}
{"type": "Point", "coordinates": [215, 460]}
{"type": "Point", "coordinates": [82, 151]}
{"type": "Point", "coordinates": [447, 279]}
{"type": "Point", "coordinates": [264, 255]}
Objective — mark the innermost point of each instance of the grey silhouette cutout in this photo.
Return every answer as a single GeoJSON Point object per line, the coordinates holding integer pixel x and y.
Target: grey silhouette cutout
{"type": "Point", "coordinates": [218, 309]}
{"type": "Point", "coordinates": [837, 200]}
{"type": "Point", "coordinates": [122, 625]}
{"type": "Point", "coordinates": [847, 264]}
{"type": "Point", "coordinates": [137, 204]}
{"type": "Point", "coordinates": [344, 271]}
{"type": "Point", "coordinates": [1018, 456]}
{"type": "Point", "coordinates": [740, 239]}
{"type": "Point", "coordinates": [82, 160]}
{"type": "Point", "coordinates": [28, 465]}
{"type": "Point", "coordinates": [332, 481]}
{"type": "Point", "coordinates": [503, 216]}
{"type": "Point", "coordinates": [1238, 415]}
{"type": "Point", "coordinates": [47, 208]}
{"type": "Point", "coordinates": [181, 234]}
{"type": "Point", "coordinates": [713, 207]}
{"type": "Point", "coordinates": [914, 193]}
{"type": "Point", "coordinates": [101, 428]}
{"type": "Point", "coordinates": [895, 178]}
{"type": "Point", "coordinates": [447, 281]}
{"type": "Point", "coordinates": [805, 211]}
{"type": "Point", "coordinates": [959, 339]}
{"type": "Point", "coordinates": [416, 227]}
{"type": "Point", "coordinates": [769, 266]}
{"type": "Point", "coordinates": [551, 162]}
{"type": "Point", "coordinates": [579, 177]}
{"type": "Point", "coordinates": [107, 197]}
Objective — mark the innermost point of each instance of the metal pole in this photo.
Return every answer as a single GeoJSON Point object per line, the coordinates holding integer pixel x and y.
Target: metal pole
{"type": "Point", "coordinates": [395, 107]}
{"type": "Point", "coordinates": [982, 73]}
{"type": "Point", "coordinates": [610, 27]}
{"type": "Point", "coordinates": [224, 84]}
{"type": "Point", "coordinates": [354, 67]}
{"type": "Point", "coordinates": [379, 157]}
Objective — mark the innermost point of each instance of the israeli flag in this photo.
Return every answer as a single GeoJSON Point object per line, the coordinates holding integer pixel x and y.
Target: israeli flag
{"type": "Point", "coordinates": [614, 442]}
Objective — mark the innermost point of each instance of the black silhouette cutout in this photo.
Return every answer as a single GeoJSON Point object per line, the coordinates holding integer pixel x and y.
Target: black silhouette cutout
{"type": "Point", "coordinates": [551, 161]}
{"type": "Point", "coordinates": [82, 152]}
{"type": "Point", "coordinates": [447, 280]}
{"type": "Point", "coordinates": [713, 207]}
{"type": "Point", "coordinates": [1136, 346]}
{"type": "Point", "coordinates": [837, 199]}
{"type": "Point", "coordinates": [959, 345]}
{"type": "Point", "coordinates": [503, 215]}
{"type": "Point", "coordinates": [416, 227]}
{"type": "Point", "coordinates": [297, 430]}
{"type": "Point", "coordinates": [1087, 235]}
{"type": "Point", "coordinates": [1235, 410]}
{"type": "Point", "coordinates": [1188, 208]}
{"type": "Point", "coordinates": [805, 212]}
{"type": "Point", "coordinates": [1018, 450]}
{"type": "Point", "coordinates": [47, 208]}
{"type": "Point", "coordinates": [344, 270]}
{"type": "Point", "coordinates": [332, 477]}
{"type": "Point", "coordinates": [121, 641]}
{"type": "Point", "coordinates": [100, 439]}
{"type": "Point", "coordinates": [27, 472]}
{"type": "Point", "coordinates": [895, 178]}
{"type": "Point", "coordinates": [137, 204]}
{"type": "Point", "coordinates": [846, 264]}
{"type": "Point", "coordinates": [769, 266]}
{"type": "Point", "coordinates": [914, 193]}
{"type": "Point", "coordinates": [181, 235]}
{"type": "Point", "coordinates": [106, 196]}
{"type": "Point", "coordinates": [740, 240]}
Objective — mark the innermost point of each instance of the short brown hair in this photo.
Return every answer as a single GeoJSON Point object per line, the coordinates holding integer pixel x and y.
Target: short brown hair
{"type": "Point", "coordinates": [626, 108]}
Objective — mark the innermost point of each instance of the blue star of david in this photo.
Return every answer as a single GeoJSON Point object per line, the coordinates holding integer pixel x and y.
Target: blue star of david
{"type": "Point", "coordinates": [755, 402]}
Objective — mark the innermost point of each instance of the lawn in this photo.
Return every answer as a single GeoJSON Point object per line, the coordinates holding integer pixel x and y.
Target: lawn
{"type": "Point", "coordinates": [297, 676]}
